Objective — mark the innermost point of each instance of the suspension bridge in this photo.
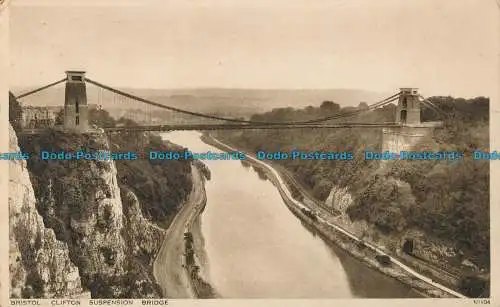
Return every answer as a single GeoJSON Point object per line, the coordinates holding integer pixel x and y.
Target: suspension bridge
{"type": "Point", "coordinates": [154, 116]}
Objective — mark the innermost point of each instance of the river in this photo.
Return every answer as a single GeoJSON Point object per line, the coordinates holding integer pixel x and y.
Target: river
{"type": "Point", "coordinates": [256, 248]}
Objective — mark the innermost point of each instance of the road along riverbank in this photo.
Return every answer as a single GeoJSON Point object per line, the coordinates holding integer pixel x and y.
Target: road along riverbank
{"type": "Point", "coordinates": [359, 249]}
{"type": "Point", "coordinates": [176, 277]}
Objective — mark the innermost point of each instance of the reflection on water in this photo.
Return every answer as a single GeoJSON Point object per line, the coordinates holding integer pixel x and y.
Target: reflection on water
{"type": "Point", "coordinates": [258, 249]}
{"type": "Point", "coordinates": [245, 164]}
{"type": "Point", "coordinates": [262, 175]}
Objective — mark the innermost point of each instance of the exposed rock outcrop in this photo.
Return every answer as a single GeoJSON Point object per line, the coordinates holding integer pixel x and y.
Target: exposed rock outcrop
{"type": "Point", "coordinates": [40, 265]}
{"type": "Point", "coordinates": [446, 261]}
{"type": "Point", "coordinates": [81, 201]}
{"type": "Point", "coordinates": [110, 242]}
{"type": "Point", "coordinates": [145, 236]}
{"type": "Point", "coordinates": [339, 199]}
{"type": "Point", "coordinates": [17, 271]}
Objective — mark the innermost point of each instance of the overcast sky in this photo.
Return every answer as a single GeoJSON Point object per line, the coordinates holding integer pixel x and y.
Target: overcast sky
{"type": "Point", "coordinates": [441, 46]}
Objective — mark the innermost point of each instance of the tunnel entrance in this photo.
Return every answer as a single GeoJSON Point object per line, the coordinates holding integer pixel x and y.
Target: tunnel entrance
{"type": "Point", "coordinates": [408, 246]}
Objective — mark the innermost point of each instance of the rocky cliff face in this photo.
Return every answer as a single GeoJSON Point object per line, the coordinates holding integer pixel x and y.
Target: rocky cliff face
{"type": "Point", "coordinates": [424, 246]}
{"type": "Point", "coordinates": [40, 265]}
{"type": "Point", "coordinates": [144, 237]}
{"type": "Point", "coordinates": [81, 201]}
{"type": "Point", "coordinates": [109, 241]}
{"type": "Point", "coordinates": [339, 199]}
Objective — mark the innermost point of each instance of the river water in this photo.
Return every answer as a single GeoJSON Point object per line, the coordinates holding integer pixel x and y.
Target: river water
{"type": "Point", "coordinates": [256, 248]}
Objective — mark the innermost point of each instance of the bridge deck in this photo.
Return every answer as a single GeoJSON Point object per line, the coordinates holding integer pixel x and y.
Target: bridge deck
{"type": "Point", "coordinates": [187, 127]}
{"type": "Point", "coordinates": [202, 127]}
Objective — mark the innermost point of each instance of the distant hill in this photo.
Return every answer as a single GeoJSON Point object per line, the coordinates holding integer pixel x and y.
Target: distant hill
{"type": "Point", "coordinates": [215, 100]}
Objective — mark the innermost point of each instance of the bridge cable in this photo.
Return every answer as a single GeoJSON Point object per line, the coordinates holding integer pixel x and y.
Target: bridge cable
{"type": "Point", "coordinates": [380, 103]}
{"type": "Point", "coordinates": [40, 88]}
{"type": "Point", "coordinates": [357, 112]}
{"type": "Point", "coordinates": [433, 106]}
{"type": "Point", "coordinates": [438, 109]}
{"type": "Point", "coordinates": [237, 120]}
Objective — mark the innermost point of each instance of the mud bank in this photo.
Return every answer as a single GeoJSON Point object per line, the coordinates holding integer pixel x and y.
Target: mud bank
{"type": "Point", "coordinates": [333, 234]}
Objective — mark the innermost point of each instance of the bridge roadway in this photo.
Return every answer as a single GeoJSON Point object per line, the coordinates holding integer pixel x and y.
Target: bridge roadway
{"type": "Point", "coordinates": [201, 127]}
{"type": "Point", "coordinates": [206, 127]}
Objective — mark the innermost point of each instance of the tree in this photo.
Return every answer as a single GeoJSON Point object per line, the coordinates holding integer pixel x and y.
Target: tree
{"type": "Point", "coordinates": [309, 109]}
{"type": "Point", "coordinates": [363, 105]}
{"type": "Point", "coordinates": [329, 106]}
{"type": "Point", "coordinates": [322, 189]}
{"type": "Point", "coordinates": [101, 118]}
{"type": "Point", "coordinates": [475, 286]}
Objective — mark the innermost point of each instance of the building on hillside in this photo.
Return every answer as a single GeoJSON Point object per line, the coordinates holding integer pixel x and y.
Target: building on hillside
{"type": "Point", "coordinates": [38, 117]}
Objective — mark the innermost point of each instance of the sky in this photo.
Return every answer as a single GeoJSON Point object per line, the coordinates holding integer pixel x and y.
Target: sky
{"type": "Point", "coordinates": [443, 47]}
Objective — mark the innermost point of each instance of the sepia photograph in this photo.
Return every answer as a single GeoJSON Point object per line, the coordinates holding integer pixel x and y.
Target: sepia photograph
{"type": "Point", "coordinates": [218, 149]}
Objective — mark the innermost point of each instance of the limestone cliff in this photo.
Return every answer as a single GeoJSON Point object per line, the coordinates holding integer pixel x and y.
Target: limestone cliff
{"type": "Point", "coordinates": [339, 199]}
{"type": "Point", "coordinates": [109, 241]}
{"type": "Point", "coordinates": [39, 263]}
{"type": "Point", "coordinates": [145, 238]}
{"type": "Point", "coordinates": [447, 263]}
{"type": "Point", "coordinates": [81, 201]}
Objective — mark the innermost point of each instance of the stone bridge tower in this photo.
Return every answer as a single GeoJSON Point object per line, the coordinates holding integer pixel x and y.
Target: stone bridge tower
{"type": "Point", "coordinates": [408, 109]}
{"type": "Point", "coordinates": [413, 135]}
{"type": "Point", "coordinates": [75, 103]}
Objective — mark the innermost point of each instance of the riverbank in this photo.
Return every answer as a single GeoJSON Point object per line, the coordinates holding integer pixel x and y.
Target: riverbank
{"type": "Point", "coordinates": [195, 258]}
{"type": "Point", "coordinates": [176, 279]}
{"type": "Point", "coordinates": [363, 251]}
